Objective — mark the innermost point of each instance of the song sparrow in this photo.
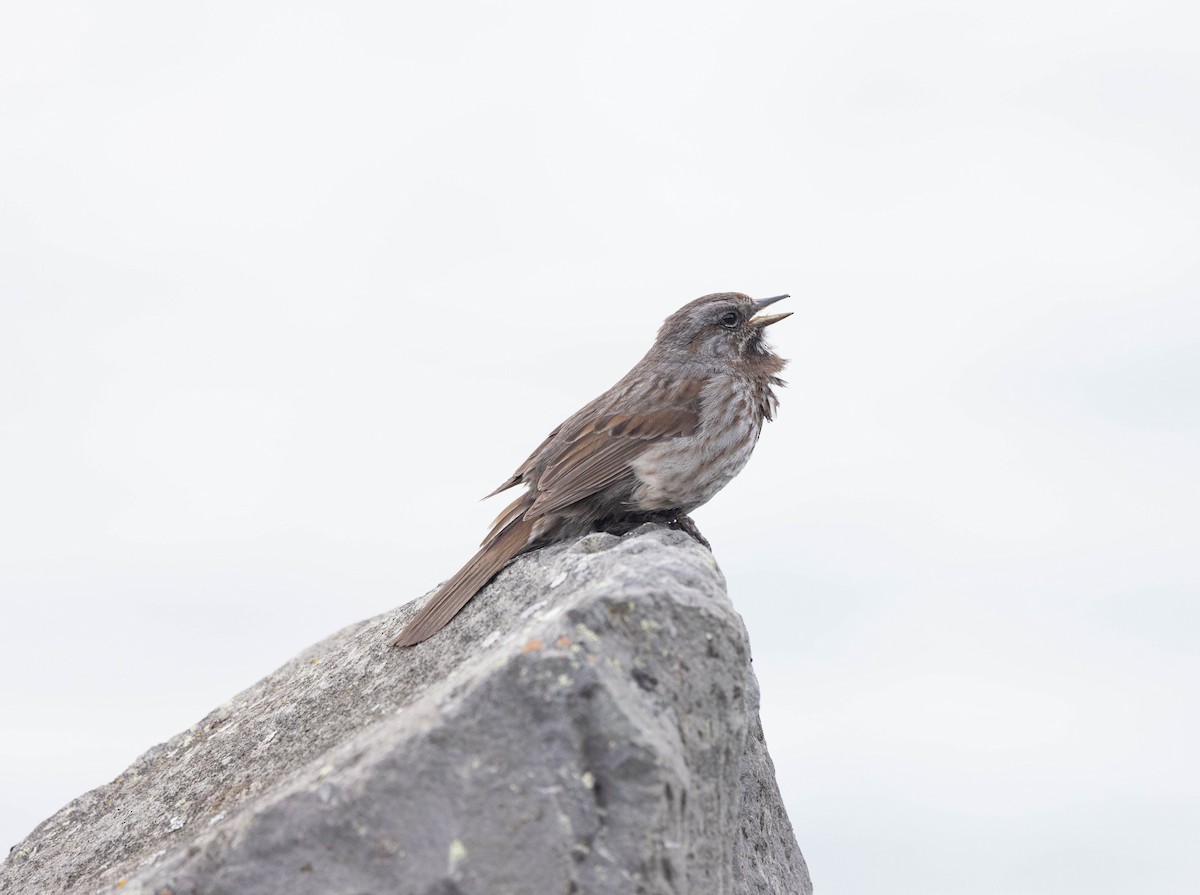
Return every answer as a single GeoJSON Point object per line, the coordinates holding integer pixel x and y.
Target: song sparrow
{"type": "Point", "coordinates": [658, 444]}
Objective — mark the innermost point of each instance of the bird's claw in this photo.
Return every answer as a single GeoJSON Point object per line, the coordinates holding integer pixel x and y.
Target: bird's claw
{"type": "Point", "coordinates": [683, 522]}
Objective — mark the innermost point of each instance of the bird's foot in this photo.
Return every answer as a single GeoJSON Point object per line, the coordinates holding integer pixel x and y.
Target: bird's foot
{"type": "Point", "coordinates": [683, 522]}
{"type": "Point", "coordinates": [673, 520]}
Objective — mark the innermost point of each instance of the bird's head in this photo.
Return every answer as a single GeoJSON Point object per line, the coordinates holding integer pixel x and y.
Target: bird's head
{"type": "Point", "coordinates": [724, 325]}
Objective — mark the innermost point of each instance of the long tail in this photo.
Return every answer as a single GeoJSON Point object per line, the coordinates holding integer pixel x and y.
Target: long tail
{"type": "Point", "coordinates": [467, 581]}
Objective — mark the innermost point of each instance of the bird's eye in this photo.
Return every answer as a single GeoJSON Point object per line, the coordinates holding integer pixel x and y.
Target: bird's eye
{"type": "Point", "coordinates": [730, 319]}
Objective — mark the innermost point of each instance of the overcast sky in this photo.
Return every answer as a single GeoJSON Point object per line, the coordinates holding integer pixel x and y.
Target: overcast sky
{"type": "Point", "coordinates": [286, 287]}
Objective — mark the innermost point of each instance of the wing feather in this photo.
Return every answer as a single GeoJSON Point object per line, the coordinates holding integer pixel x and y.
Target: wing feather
{"type": "Point", "coordinates": [603, 451]}
{"type": "Point", "coordinates": [519, 476]}
{"type": "Point", "coordinates": [510, 513]}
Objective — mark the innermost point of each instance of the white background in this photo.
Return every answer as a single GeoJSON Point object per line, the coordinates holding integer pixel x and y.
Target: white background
{"type": "Point", "coordinates": [287, 286]}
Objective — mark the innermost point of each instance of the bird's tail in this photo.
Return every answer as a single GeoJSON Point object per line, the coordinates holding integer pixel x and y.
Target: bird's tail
{"type": "Point", "coordinates": [467, 581]}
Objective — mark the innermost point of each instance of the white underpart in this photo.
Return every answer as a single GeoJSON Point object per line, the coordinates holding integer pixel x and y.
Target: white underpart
{"type": "Point", "coordinates": [684, 473]}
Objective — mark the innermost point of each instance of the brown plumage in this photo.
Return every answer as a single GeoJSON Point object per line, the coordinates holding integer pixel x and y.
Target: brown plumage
{"type": "Point", "coordinates": [661, 442]}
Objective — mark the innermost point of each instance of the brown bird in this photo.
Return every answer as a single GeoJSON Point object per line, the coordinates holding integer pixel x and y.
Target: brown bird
{"type": "Point", "coordinates": [658, 444]}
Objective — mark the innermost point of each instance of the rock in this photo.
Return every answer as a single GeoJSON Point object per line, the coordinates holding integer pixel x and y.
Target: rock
{"type": "Point", "coordinates": [589, 724]}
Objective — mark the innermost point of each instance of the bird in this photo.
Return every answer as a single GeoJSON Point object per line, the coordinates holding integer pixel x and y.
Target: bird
{"type": "Point", "coordinates": [668, 436]}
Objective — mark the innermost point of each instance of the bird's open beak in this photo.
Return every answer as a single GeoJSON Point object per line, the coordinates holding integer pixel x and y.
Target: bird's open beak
{"type": "Point", "coordinates": [767, 320]}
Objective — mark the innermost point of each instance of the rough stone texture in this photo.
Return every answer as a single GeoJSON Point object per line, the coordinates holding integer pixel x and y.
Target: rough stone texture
{"type": "Point", "coordinates": [588, 724]}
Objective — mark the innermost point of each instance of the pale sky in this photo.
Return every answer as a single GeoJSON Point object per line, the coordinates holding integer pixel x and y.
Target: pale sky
{"type": "Point", "coordinates": [286, 287]}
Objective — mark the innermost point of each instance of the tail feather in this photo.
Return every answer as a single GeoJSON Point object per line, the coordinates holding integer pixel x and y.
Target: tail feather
{"type": "Point", "coordinates": [466, 582]}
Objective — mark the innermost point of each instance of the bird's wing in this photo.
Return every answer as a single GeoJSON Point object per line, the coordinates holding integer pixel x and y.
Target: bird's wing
{"type": "Point", "coordinates": [601, 451]}
{"type": "Point", "coordinates": [510, 513]}
{"type": "Point", "coordinates": [519, 476]}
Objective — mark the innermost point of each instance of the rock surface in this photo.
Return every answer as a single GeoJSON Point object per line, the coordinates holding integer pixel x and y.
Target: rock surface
{"type": "Point", "coordinates": [588, 724]}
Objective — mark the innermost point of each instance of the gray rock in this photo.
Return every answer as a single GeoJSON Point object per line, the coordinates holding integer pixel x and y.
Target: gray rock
{"type": "Point", "coordinates": [588, 724]}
